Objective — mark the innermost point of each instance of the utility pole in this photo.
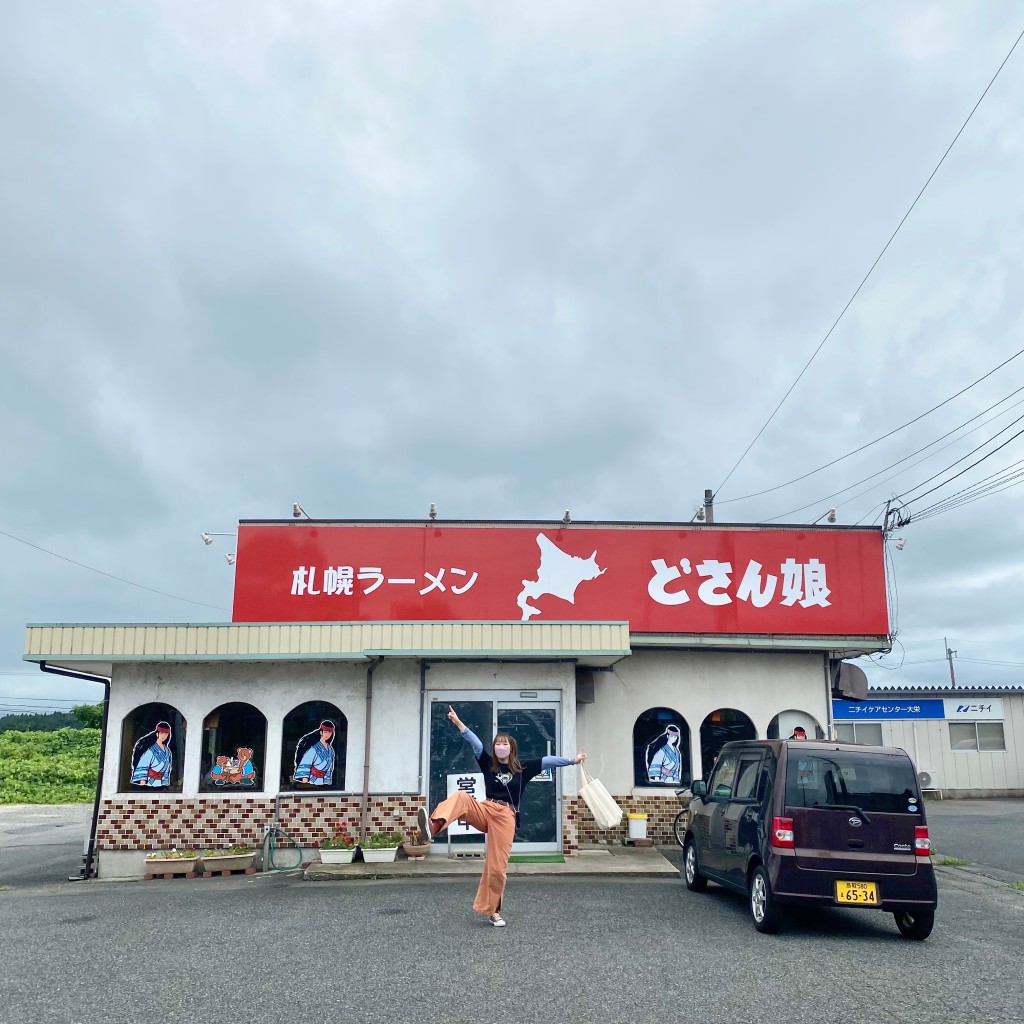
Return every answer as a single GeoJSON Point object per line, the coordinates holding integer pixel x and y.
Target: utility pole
{"type": "Point", "coordinates": [949, 658]}
{"type": "Point", "coordinates": [709, 505]}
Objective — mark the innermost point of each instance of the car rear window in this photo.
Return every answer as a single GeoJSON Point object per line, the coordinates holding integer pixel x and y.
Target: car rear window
{"type": "Point", "coordinates": [872, 782]}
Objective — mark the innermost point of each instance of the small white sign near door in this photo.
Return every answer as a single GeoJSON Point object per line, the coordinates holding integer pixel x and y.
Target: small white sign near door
{"type": "Point", "coordinates": [473, 784]}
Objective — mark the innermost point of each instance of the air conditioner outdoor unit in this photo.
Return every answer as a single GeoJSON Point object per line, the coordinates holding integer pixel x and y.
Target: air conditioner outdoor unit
{"type": "Point", "coordinates": [927, 779]}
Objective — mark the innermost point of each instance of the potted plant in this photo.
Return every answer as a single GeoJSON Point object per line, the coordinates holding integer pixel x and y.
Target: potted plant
{"type": "Point", "coordinates": [171, 862]}
{"type": "Point", "coordinates": [380, 847]}
{"type": "Point", "coordinates": [416, 845]}
{"type": "Point", "coordinates": [339, 848]}
{"type": "Point", "coordinates": [231, 858]}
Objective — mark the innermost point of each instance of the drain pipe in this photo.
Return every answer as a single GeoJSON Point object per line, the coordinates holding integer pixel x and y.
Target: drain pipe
{"type": "Point", "coordinates": [424, 668]}
{"type": "Point", "coordinates": [90, 849]}
{"type": "Point", "coordinates": [365, 808]}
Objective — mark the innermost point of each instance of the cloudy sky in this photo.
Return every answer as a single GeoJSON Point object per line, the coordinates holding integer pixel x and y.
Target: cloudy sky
{"type": "Point", "coordinates": [510, 259]}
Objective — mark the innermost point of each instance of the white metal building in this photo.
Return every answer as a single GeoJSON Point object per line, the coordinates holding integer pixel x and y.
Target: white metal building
{"type": "Point", "coordinates": [969, 741]}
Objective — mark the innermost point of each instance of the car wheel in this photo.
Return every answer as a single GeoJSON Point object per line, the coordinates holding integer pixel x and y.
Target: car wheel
{"type": "Point", "coordinates": [915, 924]}
{"type": "Point", "coordinates": [695, 881]}
{"type": "Point", "coordinates": [679, 827]}
{"type": "Point", "coordinates": [766, 913]}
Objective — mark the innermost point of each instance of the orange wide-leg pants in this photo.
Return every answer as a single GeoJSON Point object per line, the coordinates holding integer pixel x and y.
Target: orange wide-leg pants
{"type": "Point", "coordinates": [499, 822]}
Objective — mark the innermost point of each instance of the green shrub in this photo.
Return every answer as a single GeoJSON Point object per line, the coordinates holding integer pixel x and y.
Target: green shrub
{"type": "Point", "coordinates": [49, 767]}
{"type": "Point", "coordinates": [381, 840]}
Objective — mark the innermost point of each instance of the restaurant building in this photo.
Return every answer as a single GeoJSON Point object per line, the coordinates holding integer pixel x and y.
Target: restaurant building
{"type": "Point", "coordinates": [325, 699]}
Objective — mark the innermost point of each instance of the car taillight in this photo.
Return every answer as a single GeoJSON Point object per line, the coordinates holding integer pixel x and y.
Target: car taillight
{"type": "Point", "coordinates": [782, 834]}
{"type": "Point", "coordinates": [922, 844]}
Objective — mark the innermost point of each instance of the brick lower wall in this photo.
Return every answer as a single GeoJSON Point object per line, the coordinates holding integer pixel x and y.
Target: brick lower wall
{"type": "Point", "coordinates": [661, 814]}
{"type": "Point", "coordinates": [126, 824]}
{"type": "Point", "coordinates": [199, 823]}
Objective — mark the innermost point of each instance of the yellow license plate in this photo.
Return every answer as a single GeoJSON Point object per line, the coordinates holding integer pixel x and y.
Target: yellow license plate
{"type": "Point", "coordinates": [857, 892]}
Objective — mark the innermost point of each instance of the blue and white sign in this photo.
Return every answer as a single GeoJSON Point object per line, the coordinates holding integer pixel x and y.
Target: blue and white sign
{"type": "Point", "coordinates": [964, 709]}
{"type": "Point", "coordinates": [973, 709]}
{"type": "Point", "coordinates": [881, 709]}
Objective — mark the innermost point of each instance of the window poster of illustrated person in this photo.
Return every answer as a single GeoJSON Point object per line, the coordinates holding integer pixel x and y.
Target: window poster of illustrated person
{"type": "Point", "coordinates": [665, 758]}
{"type": "Point", "coordinates": [314, 756]}
{"type": "Point", "coordinates": [234, 771]}
{"type": "Point", "coordinates": [151, 758]}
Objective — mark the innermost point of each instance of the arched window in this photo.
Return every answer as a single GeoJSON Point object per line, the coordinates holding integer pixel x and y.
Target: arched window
{"type": "Point", "coordinates": [782, 726]}
{"type": "Point", "coordinates": [719, 728]}
{"type": "Point", "coordinates": [152, 749]}
{"type": "Point", "coordinates": [234, 749]}
{"type": "Point", "coordinates": [661, 749]}
{"type": "Point", "coordinates": [313, 745]}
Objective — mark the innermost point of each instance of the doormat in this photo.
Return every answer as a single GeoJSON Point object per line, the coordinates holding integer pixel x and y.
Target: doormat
{"type": "Point", "coordinates": [537, 858]}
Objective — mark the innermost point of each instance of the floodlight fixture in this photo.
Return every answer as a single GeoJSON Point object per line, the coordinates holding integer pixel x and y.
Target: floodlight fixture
{"type": "Point", "coordinates": [566, 519]}
{"type": "Point", "coordinates": [230, 558]}
{"type": "Point", "coordinates": [433, 511]}
{"type": "Point", "coordinates": [298, 511]}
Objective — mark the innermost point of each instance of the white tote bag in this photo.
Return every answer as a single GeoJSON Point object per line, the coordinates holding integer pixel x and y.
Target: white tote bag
{"type": "Point", "coordinates": [607, 813]}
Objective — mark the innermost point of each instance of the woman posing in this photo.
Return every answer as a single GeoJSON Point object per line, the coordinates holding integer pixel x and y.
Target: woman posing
{"type": "Point", "coordinates": [505, 778]}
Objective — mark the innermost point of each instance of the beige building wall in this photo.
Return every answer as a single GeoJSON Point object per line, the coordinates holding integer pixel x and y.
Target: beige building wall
{"type": "Point", "coordinates": [694, 683]}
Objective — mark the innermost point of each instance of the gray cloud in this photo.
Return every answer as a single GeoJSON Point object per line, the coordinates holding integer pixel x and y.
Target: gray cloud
{"type": "Point", "coordinates": [507, 261]}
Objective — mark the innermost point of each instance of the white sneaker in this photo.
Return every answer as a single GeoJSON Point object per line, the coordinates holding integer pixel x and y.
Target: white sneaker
{"type": "Point", "coordinates": [423, 824]}
{"type": "Point", "coordinates": [497, 920]}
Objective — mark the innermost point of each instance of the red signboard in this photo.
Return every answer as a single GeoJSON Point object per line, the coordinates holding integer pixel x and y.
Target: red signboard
{"type": "Point", "coordinates": [801, 582]}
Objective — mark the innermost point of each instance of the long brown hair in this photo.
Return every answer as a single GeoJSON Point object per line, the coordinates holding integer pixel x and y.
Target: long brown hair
{"type": "Point", "coordinates": [514, 764]}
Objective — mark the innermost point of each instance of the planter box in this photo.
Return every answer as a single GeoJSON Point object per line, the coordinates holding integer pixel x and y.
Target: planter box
{"type": "Point", "coordinates": [228, 862]}
{"type": "Point", "coordinates": [389, 853]}
{"type": "Point", "coordinates": [415, 851]}
{"type": "Point", "coordinates": [336, 856]}
{"type": "Point", "coordinates": [171, 866]}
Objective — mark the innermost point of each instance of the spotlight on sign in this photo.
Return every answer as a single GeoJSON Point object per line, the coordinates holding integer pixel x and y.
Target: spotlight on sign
{"type": "Point", "coordinates": [899, 543]}
{"type": "Point", "coordinates": [230, 558]}
{"type": "Point", "coordinates": [566, 519]}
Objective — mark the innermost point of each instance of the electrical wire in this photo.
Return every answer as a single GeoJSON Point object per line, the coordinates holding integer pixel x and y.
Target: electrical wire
{"type": "Point", "coordinates": [971, 494]}
{"type": "Point", "coordinates": [966, 469]}
{"type": "Point", "coordinates": [871, 268]}
{"type": "Point", "coordinates": [82, 565]}
{"type": "Point", "coordinates": [835, 494]}
{"type": "Point", "coordinates": [896, 430]}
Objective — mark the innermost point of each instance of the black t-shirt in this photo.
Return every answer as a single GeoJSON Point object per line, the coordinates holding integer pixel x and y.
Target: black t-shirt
{"type": "Point", "coordinates": [502, 784]}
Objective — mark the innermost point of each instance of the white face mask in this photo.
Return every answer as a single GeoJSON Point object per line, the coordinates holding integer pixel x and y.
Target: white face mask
{"type": "Point", "coordinates": [502, 750]}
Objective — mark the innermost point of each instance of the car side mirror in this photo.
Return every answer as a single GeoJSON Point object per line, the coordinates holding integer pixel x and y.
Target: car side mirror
{"type": "Point", "coordinates": [699, 788]}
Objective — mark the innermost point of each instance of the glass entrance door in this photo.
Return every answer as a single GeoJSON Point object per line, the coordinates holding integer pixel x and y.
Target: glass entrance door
{"type": "Point", "coordinates": [535, 730]}
{"type": "Point", "coordinates": [535, 726]}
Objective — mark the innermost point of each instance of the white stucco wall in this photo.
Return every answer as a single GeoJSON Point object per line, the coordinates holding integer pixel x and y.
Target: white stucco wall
{"type": "Point", "coordinates": [273, 687]}
{"type": "Point", "coordinates": [397, 742]}
{"type": "Point", "coordinates": [694, 683]}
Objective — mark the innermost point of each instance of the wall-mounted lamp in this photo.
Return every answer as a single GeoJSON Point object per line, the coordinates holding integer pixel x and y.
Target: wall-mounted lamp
{"type": "Point", "coordinates": [698, 516]}
{"type": "Point", "coordinates": [899, 543]}
{"type": "Point", "coordinates": [298, 511]}
{"type": "Point", "coordinates": [433, 511]}
{"type": "Point", "coordinates": [208, 537]}
{"type": "Point", "coordinates": [230, 558]}
{"type": "Point", "coordinates": [566, 519]}
{"type": "Point", "coordinates": [831, 514]}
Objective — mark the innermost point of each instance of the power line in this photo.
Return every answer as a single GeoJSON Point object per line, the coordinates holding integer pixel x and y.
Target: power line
{"type": "Point", "coordinates": [994, 484]}
{"type": "Point", "coordinates": [864, 447]}
{"type": "Point", "coordinates": [843, 490]}
{"type": "Point", "coordinates": [966, 469]}
{"type": "Point", "coordinates": [110, 576]}
{"type": "Point", "coordinates": [870, 269]}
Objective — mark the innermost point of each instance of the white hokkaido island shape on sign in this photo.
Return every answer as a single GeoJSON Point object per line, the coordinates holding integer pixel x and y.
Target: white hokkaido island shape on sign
{"type": "Point", "coordinates": [558, 575]}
